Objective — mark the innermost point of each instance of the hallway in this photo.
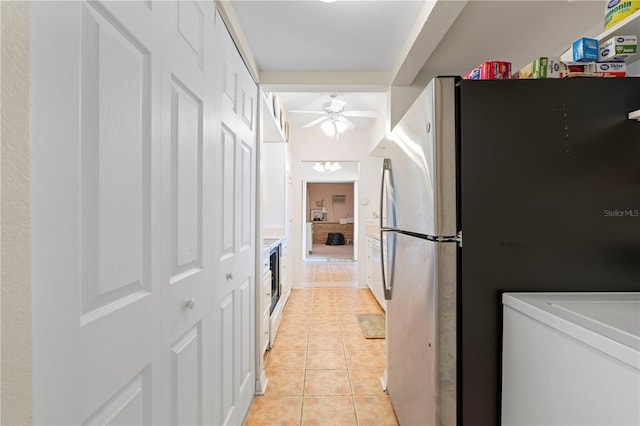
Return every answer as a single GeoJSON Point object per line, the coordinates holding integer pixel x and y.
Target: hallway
{"type": "Point", "coordinates": [321, 370]}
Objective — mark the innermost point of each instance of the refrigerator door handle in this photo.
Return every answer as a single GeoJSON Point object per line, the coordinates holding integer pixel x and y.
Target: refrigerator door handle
{"type": "Point", "coordinates": [387, 212]}
{"type": "Point", "coordinates": [387, 197]}
{"type": "Point", "coordinates": [386, 283]}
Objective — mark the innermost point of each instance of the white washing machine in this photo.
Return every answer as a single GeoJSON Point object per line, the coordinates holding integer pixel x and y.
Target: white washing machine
{"type": "Point", "coordinates": [571, 359]}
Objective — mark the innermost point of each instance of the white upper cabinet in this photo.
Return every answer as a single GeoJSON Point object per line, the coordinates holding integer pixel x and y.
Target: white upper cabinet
{"type": "Point", "coordinates": [275, 166]}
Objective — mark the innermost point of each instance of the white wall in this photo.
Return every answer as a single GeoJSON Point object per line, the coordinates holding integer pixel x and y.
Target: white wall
{"type": "Point", "coordinates": [313, 145]}
{"type": "Point", "coordinates": [16, 400]}
{"type": "Point", "coordinates": [323, 192]}
{"type": "Point", "coordinates": [633, 69]}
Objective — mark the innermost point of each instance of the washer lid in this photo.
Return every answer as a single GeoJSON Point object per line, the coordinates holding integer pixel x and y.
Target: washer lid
{"type": "Point", "coordinates": [609, 322]}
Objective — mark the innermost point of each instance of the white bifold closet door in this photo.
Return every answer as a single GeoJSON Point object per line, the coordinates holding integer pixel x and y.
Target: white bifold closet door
{"type": "Point", "coordinates": [235, 130]}
{"type": "Point", "coordinates": [142, 283]}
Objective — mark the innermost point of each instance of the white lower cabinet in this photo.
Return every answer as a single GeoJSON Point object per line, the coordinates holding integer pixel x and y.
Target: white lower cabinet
{"type": "Point", "coordinates": [285, 291]}
{"type": "Point", "coordinates": [263, 302]}
{"type": "Point", "coordinates": [285, 280]}
{"type": "Point", "coordinates": [265, 297]}
{"type": "Point", "coordinates": [374, 271]}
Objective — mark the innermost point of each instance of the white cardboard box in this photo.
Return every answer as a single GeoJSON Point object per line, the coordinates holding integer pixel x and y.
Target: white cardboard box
{"type": "Point", "coordinates": [618, 48]}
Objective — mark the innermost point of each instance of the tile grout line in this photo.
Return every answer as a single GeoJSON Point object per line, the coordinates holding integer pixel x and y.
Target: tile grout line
{"type": "Point", "coordinates": [344, 350]}
{"type": "Point", "coordinates": [306, 358]}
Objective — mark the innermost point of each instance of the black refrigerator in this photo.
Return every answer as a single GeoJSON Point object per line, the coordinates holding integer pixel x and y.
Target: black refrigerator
{"type": "Point", "coordinates": [499, 186]}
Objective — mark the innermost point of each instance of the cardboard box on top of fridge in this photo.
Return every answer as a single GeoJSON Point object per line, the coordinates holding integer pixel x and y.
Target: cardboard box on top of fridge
{"type": "Point", "coordinates": [582, 50]}
{"type": "Point", "coordinates": [543, 67]}
{"type": "Point", "coordinates": [490, 70]}
{"type": "Point", "coordinates": [585, 50]}
{"type": "Point", "coordinates": [609, 69]}
{"type": "Point", "coordinates": [597, 69]}
{"type": "Point", "coordinates": [618, 48]}
{"type": "Point", "coordinates": [618, 10]}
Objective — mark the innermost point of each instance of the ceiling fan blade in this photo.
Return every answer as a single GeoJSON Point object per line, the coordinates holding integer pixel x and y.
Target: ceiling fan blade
{"type": "Point", "coordinates": [336, 105]}
{"type": "Point", "coordinates": [314, 122]}
{"type": "Point", "coordinates": [350, 124]}
{"type": "Point", "coordinates": [369, 114]}
{"type": "Point", "coordinates": [307, 112]}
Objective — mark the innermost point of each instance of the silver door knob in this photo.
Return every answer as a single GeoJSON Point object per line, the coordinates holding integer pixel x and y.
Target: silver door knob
{"type": "Point", "coordinates": [229, 276]}
{"type": "Point", "coordinates": [190, 303]}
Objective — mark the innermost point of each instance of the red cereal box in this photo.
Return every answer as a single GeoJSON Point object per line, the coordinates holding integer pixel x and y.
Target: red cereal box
{"type": "Point", "coordinates": [490, 70]}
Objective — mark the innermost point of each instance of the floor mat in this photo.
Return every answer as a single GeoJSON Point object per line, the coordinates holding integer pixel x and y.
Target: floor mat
{"type": "Point", "coordinates": [372, 325]}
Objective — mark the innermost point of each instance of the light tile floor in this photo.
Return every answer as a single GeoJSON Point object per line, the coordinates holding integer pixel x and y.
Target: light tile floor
{"type": "Point", "coordinates": [321, 273]}
{"type": "Point", "coordinates": [322, 371]}
{"type": "Point", "coordinates": [322, 252]}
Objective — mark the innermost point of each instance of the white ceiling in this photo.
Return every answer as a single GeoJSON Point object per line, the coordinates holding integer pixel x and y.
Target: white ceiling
{"type": "Point", "coordinates": [314, 36]}
{"type": "Point", "coordinates": [307, 35]}
{"type": "Point", "coordinates": [312, 45]}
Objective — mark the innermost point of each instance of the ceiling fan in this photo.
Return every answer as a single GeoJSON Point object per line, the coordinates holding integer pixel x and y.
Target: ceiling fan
{"type": "Point", "coordinates": [334, 119]}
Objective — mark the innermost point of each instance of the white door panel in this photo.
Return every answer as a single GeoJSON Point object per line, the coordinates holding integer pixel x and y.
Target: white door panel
{"type": "Point", "coordinates": [128, 407]}
{"type": "Point", "coordinates": [235, 285]}
{"type": "Point", "coordinates": [246, 201]}
{"type": "Point", "coordinates": [186, 378]}
{"type": "Point", "coordinates": [115, 157]}
{"type": "Point", "coordinates": [246, 341]}
{"type": "Point", "coordinates": [187, 216]}
{"type": "Point", "coordinates": [94, 294]}
{"type": "Point", "coordinates": [228, 186]}
{"type": "Point", "coordinates": [134, 230]}
{"type": "Point", "coordinates": [186, 182]}
{"type": "Point", "coordinates": [191, 27]}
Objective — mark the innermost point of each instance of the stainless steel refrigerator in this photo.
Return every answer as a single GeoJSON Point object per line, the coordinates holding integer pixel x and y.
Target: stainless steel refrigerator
{"type": "Point", "coordinates": [495, 186]}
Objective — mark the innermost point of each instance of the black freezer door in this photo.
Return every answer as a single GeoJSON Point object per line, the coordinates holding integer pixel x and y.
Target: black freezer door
{"type": "Point", "coordinates": [550, 201]}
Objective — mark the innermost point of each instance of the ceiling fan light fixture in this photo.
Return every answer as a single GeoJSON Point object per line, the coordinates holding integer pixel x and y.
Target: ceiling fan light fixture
{"type": "Point", "coordinates": [318, 167]}
{"type": "Point", "coordinates": [334, 120]}
{"type": "Point", "coordinates": [327, 166]}
{"type": "Point", "coordinates": [328, 128]}
{"type": "Point", "coordinates": [340, 126]}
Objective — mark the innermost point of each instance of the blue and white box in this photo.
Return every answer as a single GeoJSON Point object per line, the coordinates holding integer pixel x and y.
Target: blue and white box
{"type": "Point", "coordinates": [585, 50]}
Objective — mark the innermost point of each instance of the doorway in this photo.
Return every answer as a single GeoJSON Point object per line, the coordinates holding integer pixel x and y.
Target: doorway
{"type": "Point", "coordinates": [330, 220]}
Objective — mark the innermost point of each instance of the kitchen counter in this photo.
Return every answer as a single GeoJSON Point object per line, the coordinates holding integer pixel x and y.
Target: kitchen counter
{"type": "Point", "coordinates": [270, 243]}
{"type": "Point", "coordinates": [271, 237]}
{"type": "Point", "coordinates": [373, 231]}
